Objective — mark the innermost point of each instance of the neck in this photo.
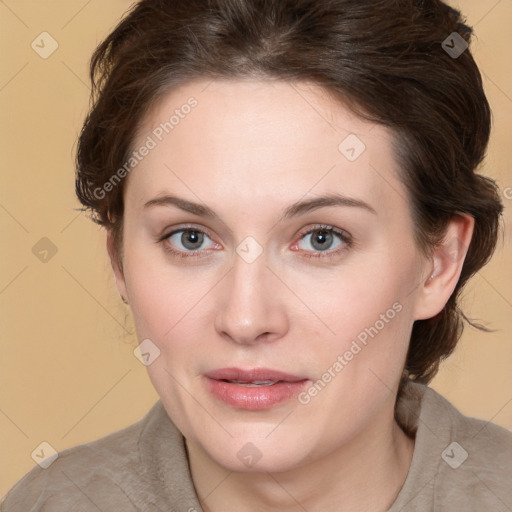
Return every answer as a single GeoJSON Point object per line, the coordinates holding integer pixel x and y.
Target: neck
{"type": "Point", "coordinates": [367, 475]}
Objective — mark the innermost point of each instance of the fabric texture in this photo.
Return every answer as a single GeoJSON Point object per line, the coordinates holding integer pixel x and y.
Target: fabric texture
{"type": "Point", "coordinates": [459, 463]}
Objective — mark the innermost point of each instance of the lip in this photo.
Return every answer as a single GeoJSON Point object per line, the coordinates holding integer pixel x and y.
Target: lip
{"type": "Point", "coordinates": [253, 397]}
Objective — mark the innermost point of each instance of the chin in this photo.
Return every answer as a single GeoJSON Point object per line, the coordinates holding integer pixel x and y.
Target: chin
{"type": "Point", "coordinates": [255, 451]}
{"type": "Point", "coordinates": [250, 459]}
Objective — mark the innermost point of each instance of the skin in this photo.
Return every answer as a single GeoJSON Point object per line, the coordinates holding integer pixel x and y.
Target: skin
{"type": "Point", "coordinates": [249, 150]}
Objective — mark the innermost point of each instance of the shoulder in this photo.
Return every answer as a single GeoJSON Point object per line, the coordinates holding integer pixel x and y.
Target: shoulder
{"type": "Point", "coordinates": [90, 476]}
{"type": "Point", "coordinates": [457, 460]}
{"type": "Point", "coordinates": [476, 464]}
{"type": "Point", "coordinates": [488, 446]}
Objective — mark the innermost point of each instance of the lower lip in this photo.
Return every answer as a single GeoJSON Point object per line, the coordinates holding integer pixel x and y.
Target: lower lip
{"type": "Point", "coordinates": [254, 398]}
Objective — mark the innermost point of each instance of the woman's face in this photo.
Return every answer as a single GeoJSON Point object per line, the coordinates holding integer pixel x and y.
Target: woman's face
{"type": "Point", "coordinates": [268, 256]}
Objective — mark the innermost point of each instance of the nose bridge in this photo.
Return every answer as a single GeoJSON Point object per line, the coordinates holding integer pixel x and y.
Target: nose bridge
{"type": "Point", "coordinates": [250, 281]}
{"type": "Point", "coordinates": [249, 307]}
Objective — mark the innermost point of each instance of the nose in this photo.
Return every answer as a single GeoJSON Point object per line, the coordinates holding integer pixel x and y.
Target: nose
{"type": "Point", "coordinates": [251, 309]}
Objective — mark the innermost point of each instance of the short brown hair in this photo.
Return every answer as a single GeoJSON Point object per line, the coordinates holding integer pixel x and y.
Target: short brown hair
{"type": "Point", "coordinates": [383, 57]}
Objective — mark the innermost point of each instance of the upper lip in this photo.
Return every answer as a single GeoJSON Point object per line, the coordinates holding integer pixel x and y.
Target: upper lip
{"type": "Point", "coordinates": [252, 374]}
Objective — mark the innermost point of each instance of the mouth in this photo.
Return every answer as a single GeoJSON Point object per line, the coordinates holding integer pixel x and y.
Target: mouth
{"type": "Point", "coordinates": [254, 389]}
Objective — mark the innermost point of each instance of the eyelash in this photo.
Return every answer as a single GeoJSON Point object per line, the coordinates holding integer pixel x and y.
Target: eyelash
{"type": "Point", "coordinates": [343, 235]}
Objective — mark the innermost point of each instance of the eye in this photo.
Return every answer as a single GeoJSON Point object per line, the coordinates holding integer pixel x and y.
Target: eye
{"type": "Point", "coordinates": [187, 242]}
{"type": "Point", "coordinates": [324, 239]}
{"type": "Point", "coordinates": [320, 242]}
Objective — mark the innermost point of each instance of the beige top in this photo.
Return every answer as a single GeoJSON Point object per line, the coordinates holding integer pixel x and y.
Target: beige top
{"type": "Point", "coordinates": [459, 464]}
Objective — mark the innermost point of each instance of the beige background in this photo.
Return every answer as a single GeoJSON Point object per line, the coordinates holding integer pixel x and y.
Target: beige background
{"type": "Point", "coordinates": [67, 373]}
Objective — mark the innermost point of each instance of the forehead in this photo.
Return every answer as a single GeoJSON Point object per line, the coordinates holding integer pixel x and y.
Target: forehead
{"type": "Point", "coordinates": [229, 138]}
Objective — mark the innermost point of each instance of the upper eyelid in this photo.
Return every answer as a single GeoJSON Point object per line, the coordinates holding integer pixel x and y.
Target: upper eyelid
{"type": "Point", "coordinates": [325, 227]}
{"type": "Point", "coordinates": [169, 232]}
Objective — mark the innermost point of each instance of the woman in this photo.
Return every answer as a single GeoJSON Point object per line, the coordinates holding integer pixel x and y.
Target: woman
{"type": "Point", "coordinates": [292, 210]}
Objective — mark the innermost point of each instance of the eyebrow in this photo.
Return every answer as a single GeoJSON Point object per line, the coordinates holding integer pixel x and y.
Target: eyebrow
{"type": "Point", "coordinates": [294, 210]}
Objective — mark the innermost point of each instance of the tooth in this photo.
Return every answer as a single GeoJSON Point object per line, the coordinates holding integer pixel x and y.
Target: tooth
{"type": "Point", "coordinates": [254, 383]}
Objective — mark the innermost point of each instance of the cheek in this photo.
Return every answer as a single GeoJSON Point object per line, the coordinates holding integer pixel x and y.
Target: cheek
{"type": "Point", "coordinates": [369, 315]}
{"type": "Point", "coordinates": [355, 299]}
{"type": "Point", "coordinates": [161, 295]}
{"type": "Point", "coordinates": [370, 343]}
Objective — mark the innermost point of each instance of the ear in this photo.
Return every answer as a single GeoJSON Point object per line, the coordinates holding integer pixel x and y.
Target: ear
{"type": "Point", "coordinates": [444, 267]}
{"type": "Point", "coordinates": [117, 266]}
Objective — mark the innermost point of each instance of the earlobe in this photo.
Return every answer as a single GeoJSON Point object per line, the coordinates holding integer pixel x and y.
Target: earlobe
{"type": "Point", "coordinates": [116, 264]}
{"type": "Point", "coordinates": [445, 266]}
